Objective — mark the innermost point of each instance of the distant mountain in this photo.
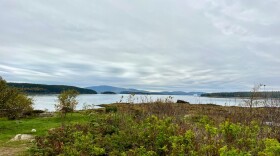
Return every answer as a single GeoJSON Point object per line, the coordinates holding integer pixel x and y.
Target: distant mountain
{"type": "Point", "coordinates": [48, 89]}
{"type": "Point", "coordinates": [164, 93]}
{"type": "Point", "coordinates": [119, 90]}
{"type": "Point", "coordinates": [177, 93]}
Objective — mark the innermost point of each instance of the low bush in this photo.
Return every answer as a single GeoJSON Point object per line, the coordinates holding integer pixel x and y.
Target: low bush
{"type": "Point", "coordinates": [33, 113]}
{"type": "Point", "coordinates": [111, 109]}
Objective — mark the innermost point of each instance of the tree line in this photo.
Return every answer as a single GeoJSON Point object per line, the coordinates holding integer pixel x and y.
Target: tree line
{"type": "Point", "coordinates": [270, 94]}
{"type": "Point", "coordinates": [48, 89]}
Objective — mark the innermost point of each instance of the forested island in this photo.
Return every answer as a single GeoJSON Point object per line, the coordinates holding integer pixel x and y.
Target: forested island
{"type": "Point", "coordinates": [48, 89]}
{"type": "Point", "coordinates": [271, 94]}
{"type": "Point", "coordinates": [108, 92]}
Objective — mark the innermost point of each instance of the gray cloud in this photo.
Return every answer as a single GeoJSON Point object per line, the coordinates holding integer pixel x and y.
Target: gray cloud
{"type": "Point", "coordinates": [155, 45]}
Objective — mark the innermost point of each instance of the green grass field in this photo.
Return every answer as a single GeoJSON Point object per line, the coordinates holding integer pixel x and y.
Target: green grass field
{"type": "Point", "coordinates": [9, 128]}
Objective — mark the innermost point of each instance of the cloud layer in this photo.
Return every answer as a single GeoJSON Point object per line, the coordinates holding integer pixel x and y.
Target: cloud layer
{"type": "Point", "coordinates": [202, 45]}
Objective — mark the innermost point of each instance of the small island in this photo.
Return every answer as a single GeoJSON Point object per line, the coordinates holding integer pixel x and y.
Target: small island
{"type": "Point", "coordinates": [108, 92]}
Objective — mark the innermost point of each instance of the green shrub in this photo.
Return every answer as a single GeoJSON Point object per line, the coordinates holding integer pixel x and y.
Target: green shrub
{"type": "Point", "coordinates": [109, 109]}
{"type": "Point", "coordinates": [272, 148]}
{"type": "Point", "coordinates": [142, 151]}
{"type": "Point", "coordinates": [82, 144]}
{"type": "Point", "coordinates": [33, 112]}
{"type": "Point", "coordinates": [13, 103]}
{"type": "Point", "coordinates": [183, 144]}
{"type": "Point", "coordinates": [230, 131]}
{"type": "Point", "coordinates": [224, 151]}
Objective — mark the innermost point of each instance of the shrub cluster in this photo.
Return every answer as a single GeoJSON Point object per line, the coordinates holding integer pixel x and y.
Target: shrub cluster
{"type": "Point", "coordinates": [119, 133]}
{"type": "Point", "coordinates": [13, 103]}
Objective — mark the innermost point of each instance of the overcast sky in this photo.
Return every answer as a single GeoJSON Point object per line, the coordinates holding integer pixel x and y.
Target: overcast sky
{"type": "Point", "coordinates": [187, 45]}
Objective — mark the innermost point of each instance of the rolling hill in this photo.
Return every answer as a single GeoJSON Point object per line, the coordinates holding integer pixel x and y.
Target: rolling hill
{"type": "Point", "coordinates": [119, 90]}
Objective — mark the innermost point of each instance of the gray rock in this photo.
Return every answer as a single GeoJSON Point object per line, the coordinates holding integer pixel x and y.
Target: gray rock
{"type": "Point", "coordinates": [46, 114]}
{"type": "Point", "coordinates": [182, 101]}
{"type": "Point", "coordinates": [21, 137]}
{"type": "Point", "coordinates": [51, 129]}
{"type": "Point", "coordinates": [268, 123]}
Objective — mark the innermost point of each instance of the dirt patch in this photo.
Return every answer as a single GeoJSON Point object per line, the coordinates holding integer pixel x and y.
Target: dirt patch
{"type": "Point", "coordinates": [9, 151]}
{"type": "Point", "coordinates": [13, 151]}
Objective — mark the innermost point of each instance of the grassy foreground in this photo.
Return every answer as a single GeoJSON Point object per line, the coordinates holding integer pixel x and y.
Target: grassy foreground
{"type": "Point", "coordinates": [158, 128]}
{"type": "Point", "coordinates": [9, 128]}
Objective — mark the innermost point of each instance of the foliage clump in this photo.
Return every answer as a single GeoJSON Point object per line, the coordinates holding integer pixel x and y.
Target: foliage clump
{"type": "Point", "coordinates": [67, 102]}
{"type": "Point", "coordinates": [13, 102]}
{"type": "Point", "coordinates": [123, 132]}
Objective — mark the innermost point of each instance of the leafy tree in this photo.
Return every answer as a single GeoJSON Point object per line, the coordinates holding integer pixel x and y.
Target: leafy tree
{"type": "Point", "coordinates": [13, 103]}
{"type": "Point", "coordinates": [67, 102]}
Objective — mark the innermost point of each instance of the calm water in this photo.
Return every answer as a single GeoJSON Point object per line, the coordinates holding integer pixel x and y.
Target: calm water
{"type": "Point", "coordinates": [48, 101]}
